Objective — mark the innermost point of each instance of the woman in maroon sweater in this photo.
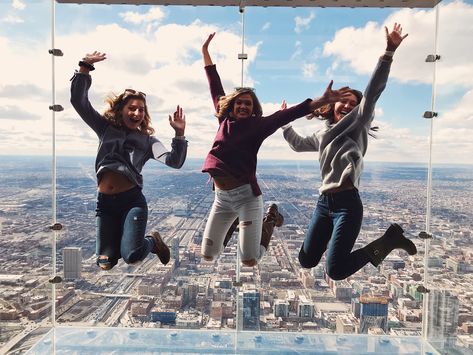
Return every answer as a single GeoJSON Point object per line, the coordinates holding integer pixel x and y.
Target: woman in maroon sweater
{"type": "Point", "coordinates": [232, 162]}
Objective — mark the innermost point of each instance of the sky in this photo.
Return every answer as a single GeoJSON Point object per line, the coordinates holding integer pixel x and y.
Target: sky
{"type": "Point", "coordinates": [292, 54]}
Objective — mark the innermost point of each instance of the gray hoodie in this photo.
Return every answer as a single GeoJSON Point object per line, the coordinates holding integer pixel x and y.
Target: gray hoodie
{"type": "Point", "coordinates": [342, 145]}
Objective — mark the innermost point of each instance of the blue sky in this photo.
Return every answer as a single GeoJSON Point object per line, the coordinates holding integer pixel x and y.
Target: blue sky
{"type": "Point", "coordinates": [293, 53]}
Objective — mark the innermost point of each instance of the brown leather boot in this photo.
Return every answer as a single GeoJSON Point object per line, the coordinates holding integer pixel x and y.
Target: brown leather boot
{"type": "Point", "coordinates": [271, 219]}
{"type": "Point", "coordinates": [160, 249]}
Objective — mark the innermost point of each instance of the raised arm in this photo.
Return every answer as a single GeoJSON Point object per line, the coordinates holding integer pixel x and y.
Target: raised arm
{"type": "Point", "coordinates": [80, 85]}
{"type": "Point", "coordinates": [215, 84]}
{"type": "Point", "coordinates": [205, 50]}
{"type": "Point", "coordinates": [177, 156]}
{"type": "Point", "coordinates": [299, 143]}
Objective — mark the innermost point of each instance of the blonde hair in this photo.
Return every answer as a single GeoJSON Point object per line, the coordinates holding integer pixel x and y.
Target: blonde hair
{"type": "Point", "coordinates": [226, 103]}
{"type": "Point", "coordinates": [117, 102]}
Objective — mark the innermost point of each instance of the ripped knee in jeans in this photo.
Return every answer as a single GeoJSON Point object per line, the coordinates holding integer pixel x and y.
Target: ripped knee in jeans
{"type": "Point", "coordinates": [246, 223]}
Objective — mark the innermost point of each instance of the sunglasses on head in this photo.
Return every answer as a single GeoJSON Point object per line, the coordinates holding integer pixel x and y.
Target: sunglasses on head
{"type": "Point", "coordinates": [134, 92]}
{"type": "Point", "coordinates": [244, 88]}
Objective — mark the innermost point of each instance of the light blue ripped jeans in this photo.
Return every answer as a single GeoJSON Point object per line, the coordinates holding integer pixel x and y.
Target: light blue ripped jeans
{"type": "Point", "coordinates": [229, 204]}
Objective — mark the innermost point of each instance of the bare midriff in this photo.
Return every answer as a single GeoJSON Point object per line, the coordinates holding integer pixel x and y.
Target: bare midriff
{"type": "Point", "coordinates": [227, 182]}
{"type": "Point", "coordinates": [113, 183]}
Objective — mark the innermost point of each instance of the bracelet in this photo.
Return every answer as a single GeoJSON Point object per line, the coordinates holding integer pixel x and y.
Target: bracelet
{"type": "Point", "coordinates": [86, 65]}
{"type": "Point", "coordinates": [389, 53]}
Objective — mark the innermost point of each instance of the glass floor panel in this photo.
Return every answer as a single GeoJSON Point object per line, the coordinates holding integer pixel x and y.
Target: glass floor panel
{"type": "Point", "coordinates": [84, 341]}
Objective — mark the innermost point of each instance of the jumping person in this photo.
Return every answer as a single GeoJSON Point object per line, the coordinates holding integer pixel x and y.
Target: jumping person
{"type": "Point", "coordinates": [341, 144]}
{"type": "Point", "coordinates": [126, 143]}
{"type": "Point", "coordinates": [232, 162]}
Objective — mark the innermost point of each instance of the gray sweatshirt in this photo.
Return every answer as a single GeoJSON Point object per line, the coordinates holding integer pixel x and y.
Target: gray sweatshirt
{"type": "Point", "coordinates": [342, 145]}
{"type": "Point", "coordinates": [120, 149]}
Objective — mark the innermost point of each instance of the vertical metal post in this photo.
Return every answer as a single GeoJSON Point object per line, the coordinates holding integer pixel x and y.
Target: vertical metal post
{"type": "Point", "coordinates": [53, 168]}
{"type": "Point", "coordinates": [425, 298]}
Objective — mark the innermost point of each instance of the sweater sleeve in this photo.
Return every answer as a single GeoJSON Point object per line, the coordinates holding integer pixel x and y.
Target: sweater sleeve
{"type": "Point", "coordinates": [215, 84]}
{"type": "Point", "coordinates": [299, 143]}
{"type": "Point", "coordinates": [176, 157]}
{"type": "Point", "coordinates": [80, 101]}
{"type": "Point", "coordinates": [280, 118]}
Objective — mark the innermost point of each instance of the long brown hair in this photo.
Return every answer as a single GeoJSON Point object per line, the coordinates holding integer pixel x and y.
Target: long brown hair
{"type": "Point", "coordinates": [225, 103]}
{"type": "Point", "coordinates": [326, 112]}
{"type": "Point", "coordinates": [116, 102]}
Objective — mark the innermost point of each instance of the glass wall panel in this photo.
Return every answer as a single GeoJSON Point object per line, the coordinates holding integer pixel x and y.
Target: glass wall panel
{"type": "Point", "coordinates": [450, 255]}
{"type": "Point", "coordinates": [25, 174]}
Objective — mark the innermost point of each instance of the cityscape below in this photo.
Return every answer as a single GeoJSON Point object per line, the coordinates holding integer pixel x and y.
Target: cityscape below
{"type": "Point", "coordinates": [277, 295]}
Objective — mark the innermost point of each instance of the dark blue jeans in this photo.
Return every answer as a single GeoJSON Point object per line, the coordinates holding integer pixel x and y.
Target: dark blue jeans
{"type": "Point", "coordinates": [334, 227]}
{"type": "Point", "coordinates": [121, 225]}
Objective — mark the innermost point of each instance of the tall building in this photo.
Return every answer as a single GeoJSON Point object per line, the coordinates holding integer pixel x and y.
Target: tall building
{"type": "Point", "coordinates": [443, 318]}
{"type": "Point", "coordinates": [281, 308]}
{"type": "Point", "coordinates": [175, 251]}
{"type": "Point", "coordinates": [373, 313]}
{"type": "Point", "coordinates": [72, 259]}
{"type": "Point", "coordinates": [250, 309]}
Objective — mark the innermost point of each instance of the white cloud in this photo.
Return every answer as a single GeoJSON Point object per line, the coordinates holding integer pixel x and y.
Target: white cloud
{"type": "Point", "coordinates": [17, 4]}
{"type": "Point", "coordinates": [297, 50]}
{"type": "Point", "coordinates": [303, 23]}
{"type": "Point", "coordinates": [12, 19]}
{"type": "Point", "coordinates": [309, 70]}
{"type": "Point", "coordinates": [155, 14]}
{"type": "Point", "coordinates": [361, 47]}
{"type": "Point", "coordinates": [266, 26]}
{"type": "Point", "coordinates": [166, 65]}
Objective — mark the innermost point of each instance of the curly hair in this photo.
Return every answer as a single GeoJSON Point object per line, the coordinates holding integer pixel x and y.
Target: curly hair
{"type": "Point", "coordinates": [226, 103]}
{"type": "Point", "coordinates": [117, 102]}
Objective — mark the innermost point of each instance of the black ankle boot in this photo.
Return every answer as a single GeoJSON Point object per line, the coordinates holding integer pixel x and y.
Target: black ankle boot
{"type": "Point", "coordinates": [392, 239]}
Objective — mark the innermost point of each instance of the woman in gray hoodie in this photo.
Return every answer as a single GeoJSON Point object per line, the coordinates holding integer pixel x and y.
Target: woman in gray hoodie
{"type": "Point", "coordinates": [341, 144]}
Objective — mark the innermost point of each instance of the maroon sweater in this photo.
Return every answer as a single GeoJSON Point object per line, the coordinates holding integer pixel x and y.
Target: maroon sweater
{"type": "Point", "coordinates": [237, 142]}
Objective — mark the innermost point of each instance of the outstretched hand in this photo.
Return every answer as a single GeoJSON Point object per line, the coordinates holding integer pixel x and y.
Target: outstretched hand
{"type": "Point", "coordinates": [178, 121]}
{"type": "Point", "coordinates": [395, 37]}
{"type": "Point", "coordinates": [94, 57]}
{"type": "Point", "coordinates": [205, 46]}
{"type": "Point", "coordinates": [329, 96]}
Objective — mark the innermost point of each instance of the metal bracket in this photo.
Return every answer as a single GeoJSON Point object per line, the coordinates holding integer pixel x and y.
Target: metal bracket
{"type": "Point", "coordinates": [431, 58]}
{"type": "Point", "coordinates": [56, 108]}
{"type": "Point", "coordinates": [422, 289]}
{"type": "Point", "coordinates": [55, 280]}
{"type": "Point", "coordinates": [241, 7]}
{"type": "Point", "coordinates": [56, 227]}
{"type": "Point", "coordinates": [56, 52]}
{"type": "Point", "coordinates": [425, 235]}
{"type": "Point", "coordinates": [242, 56]}
{"type": "Point", "coordinates": [430, 114]}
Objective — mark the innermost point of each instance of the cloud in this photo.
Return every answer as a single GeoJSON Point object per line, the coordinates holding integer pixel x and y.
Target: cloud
{"type": "Point", "coordinates": [303, 23]}
{"type": "Point", "coordinates": [8, 112]}
{"type": "Point", "coordinates": [266, 26]}
{"type": "Point", "coordinates": [13, 19]}
{"type": "Point", "coordinates": [24, 91]}
{"type": "Point", "coordinates": [361, 47]}
{"type": "Point", "coordinates": [18, 5]}
{"type": "Point", "coordinates": [154, 14]}
{"type": "Point", "coordinates": [309, 70]}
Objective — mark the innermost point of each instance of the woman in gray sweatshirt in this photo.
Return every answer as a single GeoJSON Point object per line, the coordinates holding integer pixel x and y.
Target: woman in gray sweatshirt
{"type": "Point", "coordinates": [341, 144]}
{"type": "Point", "coordinates": [126, 143]}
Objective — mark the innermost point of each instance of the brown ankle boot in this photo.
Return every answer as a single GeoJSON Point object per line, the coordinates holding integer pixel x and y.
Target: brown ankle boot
{"type": "Point", "coordinates": [160, 249]}
{"type": "Point", "coordinates": [272, 219]}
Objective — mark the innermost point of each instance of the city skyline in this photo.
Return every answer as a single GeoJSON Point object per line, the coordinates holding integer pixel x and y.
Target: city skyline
{"type": "Point", "coordinates": [198, 294]}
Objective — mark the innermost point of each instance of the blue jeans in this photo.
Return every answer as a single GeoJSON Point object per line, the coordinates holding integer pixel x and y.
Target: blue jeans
{"type": "Point", "coordinates": [121, 224]}
{"type": "Point", "coordinates": [334, 227]}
